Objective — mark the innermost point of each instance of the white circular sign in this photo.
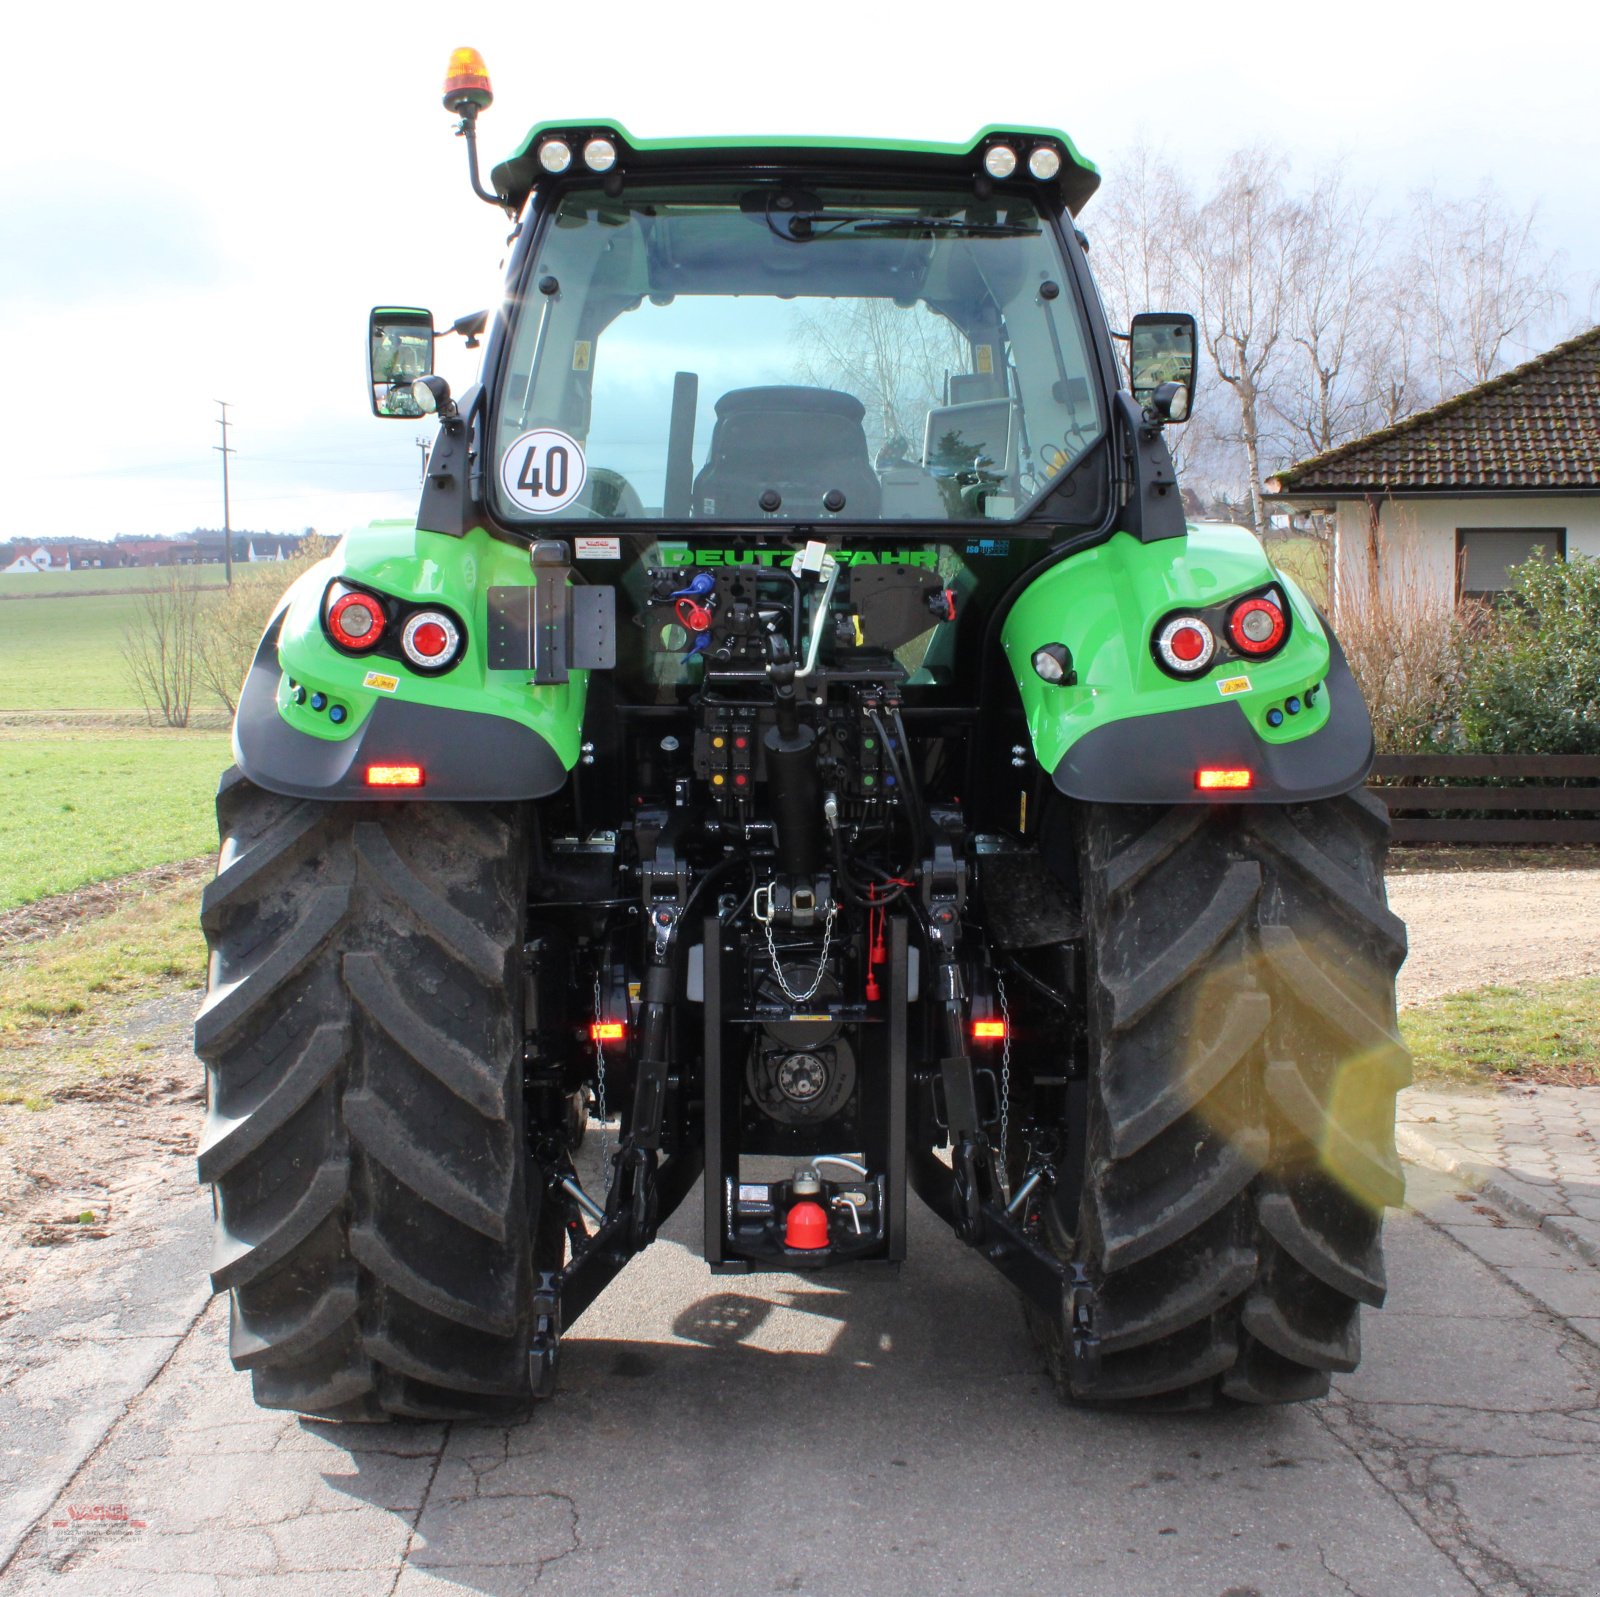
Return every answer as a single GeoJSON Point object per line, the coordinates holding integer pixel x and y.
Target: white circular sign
{"type": "Point", "coordinates": [543, 471]}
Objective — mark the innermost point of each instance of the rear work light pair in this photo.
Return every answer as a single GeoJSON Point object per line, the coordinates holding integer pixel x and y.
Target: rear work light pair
{"type": "Point", "coordinates": [1186, 644]}
{"type": "Point", "coordinates": [430, 640]}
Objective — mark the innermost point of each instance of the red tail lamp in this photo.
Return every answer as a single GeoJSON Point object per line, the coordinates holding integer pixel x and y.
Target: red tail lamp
{"type": "Point", "coordinates": [1186, 645]}
{"type": "Point", "coordinates": [988, 1031]}
{"type": "Point", "coordinates": [1256, 626]}
{"type": "Point", "coordinates": [356, 620]}
{"type": "Point", "coordinates": [394, 776]}
{"type": "Point", "coordinates": [607, 1031]}
{"type": "Point", "coordinates": [1217, 779]}
{"type": "Point", "coordinates": [430, 640]}
{"type": "Point", "coordinates": [806, 1226]}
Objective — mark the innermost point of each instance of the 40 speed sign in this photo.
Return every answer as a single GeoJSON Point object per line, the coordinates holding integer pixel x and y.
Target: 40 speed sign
{"type": "Point", "coordinates": [543, 471]}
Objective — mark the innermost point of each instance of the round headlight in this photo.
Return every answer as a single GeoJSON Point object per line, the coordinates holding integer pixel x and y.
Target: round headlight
{"type": "Point", "coordinates": [599, 155]}
{"type": "Point", "coordinates": [555, 155]}
{"type": "Point", "coordinates": [1044, 163]}
{"type": "Point", "coordinates": [1053, 664]}
{"type": "Point", "coordinates": [1000, 160]}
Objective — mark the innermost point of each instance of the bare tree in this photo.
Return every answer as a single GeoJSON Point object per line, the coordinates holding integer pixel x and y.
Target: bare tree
{"type": "Point", "coordinates": [894, 360]}
{"type": "Point", "coordinates": [1482, 280]}
{"type": "Point", "coordinates": [1241, 247]}
{"type": "Point", "coordinates": [1340, 340]}
{"type": "Point", "coordinates": [235, 619]}
{"type": "Point", "coordinates": [160, 646]}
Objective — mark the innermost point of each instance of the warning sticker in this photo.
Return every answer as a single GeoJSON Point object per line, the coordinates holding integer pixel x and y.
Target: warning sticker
{"type": "Point", "coordinates": [543, 471]}
{"type": "Point", "coordinates": [582, 353]}
{"type": "Point", "coordinates": [597, 548]}
{"type": "Point", "coordinates": [985, 360]}
{"type": "Point", "coordinates": [1230, 685]}
{"type": "Point", "coordinates": [378, 680]}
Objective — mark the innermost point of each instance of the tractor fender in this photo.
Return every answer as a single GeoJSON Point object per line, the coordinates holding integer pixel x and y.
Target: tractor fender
{"type": "Point", "coordinates": [313, 719]}
{"type": "Point", "coordinates": [1122, 730]}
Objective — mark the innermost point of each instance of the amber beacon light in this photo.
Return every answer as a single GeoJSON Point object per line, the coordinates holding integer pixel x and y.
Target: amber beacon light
{"type": "Point", "coordinates": [466, 82]}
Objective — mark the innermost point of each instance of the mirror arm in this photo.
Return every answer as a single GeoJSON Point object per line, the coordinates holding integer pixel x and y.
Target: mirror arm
{"type": "Point", "coordinates": [467, 129]}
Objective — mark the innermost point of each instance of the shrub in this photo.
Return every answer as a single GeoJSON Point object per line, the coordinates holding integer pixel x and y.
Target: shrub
{"type": "Point", "coordinates": [1533, 681]}
{"type": "Point", "coordinates": [1406, 643]}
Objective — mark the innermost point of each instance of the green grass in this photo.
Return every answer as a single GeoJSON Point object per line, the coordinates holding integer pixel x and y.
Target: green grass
{"type": "Point", "coordinates": [65, 652]}
{"type": "Point", "coordinates": [42, 584]}
{"type": "Point", "coordinates": [1548, 1033]}
{"type": "Point", "coordinates": [80, 808]}
{"type": "Point", "coordinates": [61, 998]}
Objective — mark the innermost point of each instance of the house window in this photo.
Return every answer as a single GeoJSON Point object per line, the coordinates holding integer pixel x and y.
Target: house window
{"type": "Point", "coordinates": [1485, 556]}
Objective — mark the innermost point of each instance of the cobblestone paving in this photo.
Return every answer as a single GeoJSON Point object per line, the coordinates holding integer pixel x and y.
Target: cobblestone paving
{"type": "Point", "coordinates": [1534, 1150]}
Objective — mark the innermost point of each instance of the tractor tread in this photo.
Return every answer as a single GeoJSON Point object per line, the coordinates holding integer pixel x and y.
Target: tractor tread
{"type": "Point", "coordinates": [364, 1140]}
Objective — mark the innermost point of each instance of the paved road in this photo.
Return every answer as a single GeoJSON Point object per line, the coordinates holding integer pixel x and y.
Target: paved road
{"type": "Point", "coordinates": [780, 1435]}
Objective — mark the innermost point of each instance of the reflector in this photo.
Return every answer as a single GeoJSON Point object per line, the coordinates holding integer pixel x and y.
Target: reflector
{"type": "Point", "coordinates": [607, 1030]}
{"type": "Point", "coordinates": [1222, 778]}
{"type": "Point", "coordinates": [988, 1030]}
{"type": "Point", "coordinates": [394, 776]}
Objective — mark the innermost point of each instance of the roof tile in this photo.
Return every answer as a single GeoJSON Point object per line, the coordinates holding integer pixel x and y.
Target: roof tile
{"type": "Point", "coordinates": [1536, 426]}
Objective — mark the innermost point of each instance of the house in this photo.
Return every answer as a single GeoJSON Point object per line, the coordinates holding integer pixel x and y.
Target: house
{"type": "Point", "coordinates": [1450, 499]}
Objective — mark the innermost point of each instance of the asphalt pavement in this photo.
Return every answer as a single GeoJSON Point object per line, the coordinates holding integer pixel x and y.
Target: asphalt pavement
{"type": "Point", "coordinates": [825, 1436]}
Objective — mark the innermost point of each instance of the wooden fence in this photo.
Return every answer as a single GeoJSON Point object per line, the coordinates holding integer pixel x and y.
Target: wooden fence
{"type": "Point", "coordinates": [1452, 783]}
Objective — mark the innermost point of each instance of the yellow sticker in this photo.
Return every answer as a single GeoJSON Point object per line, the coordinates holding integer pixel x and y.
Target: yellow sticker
{"type": "Point", "coordinates": [581, 351]}
{"type": "Point", "coordinates": [1233, 685]}
{"type": "Point", "coordinates": [376, 679]}
{"type": "Point", "coordinates": [985, 353]}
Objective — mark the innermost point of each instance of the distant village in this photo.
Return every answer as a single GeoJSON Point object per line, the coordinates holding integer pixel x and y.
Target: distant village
{"type": "Point", "coordinates": [198, 548]}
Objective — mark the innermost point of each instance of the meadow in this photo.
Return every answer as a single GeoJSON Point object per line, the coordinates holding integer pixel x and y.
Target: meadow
{"type": "Point", "coordinates": [96, 579]}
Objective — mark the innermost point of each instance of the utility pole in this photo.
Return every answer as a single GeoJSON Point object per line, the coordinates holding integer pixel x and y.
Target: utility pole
{"type": "Point", "coordinates": [227, 519]}
{"type": "Point", "coordinates": [424, 444]}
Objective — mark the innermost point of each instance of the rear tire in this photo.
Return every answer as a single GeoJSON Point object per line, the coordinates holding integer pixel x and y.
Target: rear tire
{"type": "Point", "coordinates": [1244, 1061]}
{"type": "Point", "coordinates": [362, 1035]}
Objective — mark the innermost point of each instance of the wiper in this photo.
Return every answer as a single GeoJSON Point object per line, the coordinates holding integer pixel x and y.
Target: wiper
{"type": "Point", "coordinates": [804, 226]}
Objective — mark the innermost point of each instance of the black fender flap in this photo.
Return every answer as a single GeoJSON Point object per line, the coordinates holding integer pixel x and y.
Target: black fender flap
{"type": "Point", "coordinates": [1152, 759]}
{"type": "Point", "coordinates": [463, 754]}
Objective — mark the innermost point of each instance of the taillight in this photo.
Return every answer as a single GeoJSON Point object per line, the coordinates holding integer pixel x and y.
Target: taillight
{"type": "Point", "coordinates": [394, 776]}
{"type": "Point", "coordinates": [1256, 626]}
{"type": "Point", "coordinates": [430, 640]}
{"type": "Point", "coordinates": [1186, 645]}
{"type": "Point", "coordinates": [355, 620]}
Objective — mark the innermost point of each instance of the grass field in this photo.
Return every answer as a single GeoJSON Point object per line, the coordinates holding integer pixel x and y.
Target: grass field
{"type": "Point", "coordinates": [66, 653]}
{"type": "Point", "coordinates": [44, 584]}
{"type": "Point", "coordinates": [1544, 1033]}
{"type": "Point", "coordinates": [84, 807]}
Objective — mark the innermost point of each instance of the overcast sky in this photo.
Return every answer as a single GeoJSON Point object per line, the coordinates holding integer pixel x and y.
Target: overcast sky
{"type": "Point", "coordinates": [201, 202]}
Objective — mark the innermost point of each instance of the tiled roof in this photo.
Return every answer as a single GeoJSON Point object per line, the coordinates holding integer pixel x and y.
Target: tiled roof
{"type": "Point", "coordinates": [1536, 426]}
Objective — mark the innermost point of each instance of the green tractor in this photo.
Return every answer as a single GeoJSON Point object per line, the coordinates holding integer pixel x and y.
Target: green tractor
{"type": "Point", "coordinates": [802, 735]}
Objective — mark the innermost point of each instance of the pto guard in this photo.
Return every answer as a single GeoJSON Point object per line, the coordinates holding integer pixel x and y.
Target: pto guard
{"type": "Point", "coordinates": [1128, 733]}
{"type": "Point", "coordinates": [476, 733]}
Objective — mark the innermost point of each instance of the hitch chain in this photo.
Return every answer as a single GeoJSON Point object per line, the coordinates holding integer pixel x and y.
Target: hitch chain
{"type": "Point", "coordinates": [761, 908]}
{"type": "Point", "coordinates": [600, 1081]}
{"type": "Point", "coordinates": [1005, 1085]}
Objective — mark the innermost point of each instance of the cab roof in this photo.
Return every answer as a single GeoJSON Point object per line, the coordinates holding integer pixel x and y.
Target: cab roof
{"type": "Point", "coordinates": [515, 177]}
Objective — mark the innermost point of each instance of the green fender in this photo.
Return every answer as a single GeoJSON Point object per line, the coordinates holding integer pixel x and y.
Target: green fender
{"type": "Point", "coordinates": [1127, 732]}
{"type": "Point", "coordinates": [312, 719]}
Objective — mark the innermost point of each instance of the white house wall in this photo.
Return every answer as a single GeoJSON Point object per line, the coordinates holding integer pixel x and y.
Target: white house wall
{"type": "Point", "coordinates": [1417, 537]}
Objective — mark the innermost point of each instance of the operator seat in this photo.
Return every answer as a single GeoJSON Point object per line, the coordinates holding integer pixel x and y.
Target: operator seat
{"type": "Point", "coordinates": [803, 442]}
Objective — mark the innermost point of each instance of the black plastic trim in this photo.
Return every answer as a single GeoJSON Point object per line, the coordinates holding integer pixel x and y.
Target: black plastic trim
{"type": "Point", "coordinates": [464, 754]}
{"type": "Point", "coordinates": [1151, 759]}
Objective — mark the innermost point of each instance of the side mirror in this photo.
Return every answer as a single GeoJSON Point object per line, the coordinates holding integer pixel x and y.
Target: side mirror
{"type": "Point", "coordinates": [399, 351]}
{"type": "Point", "coordinates": [1161, 347]}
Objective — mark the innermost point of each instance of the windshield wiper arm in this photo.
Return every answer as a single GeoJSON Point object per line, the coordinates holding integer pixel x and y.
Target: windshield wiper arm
{"type": "Point", "coordinates": [806, 225]}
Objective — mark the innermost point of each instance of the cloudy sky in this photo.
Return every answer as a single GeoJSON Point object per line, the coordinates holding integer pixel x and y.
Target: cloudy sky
{"type": "Point", "coordinates": [201, 202]}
